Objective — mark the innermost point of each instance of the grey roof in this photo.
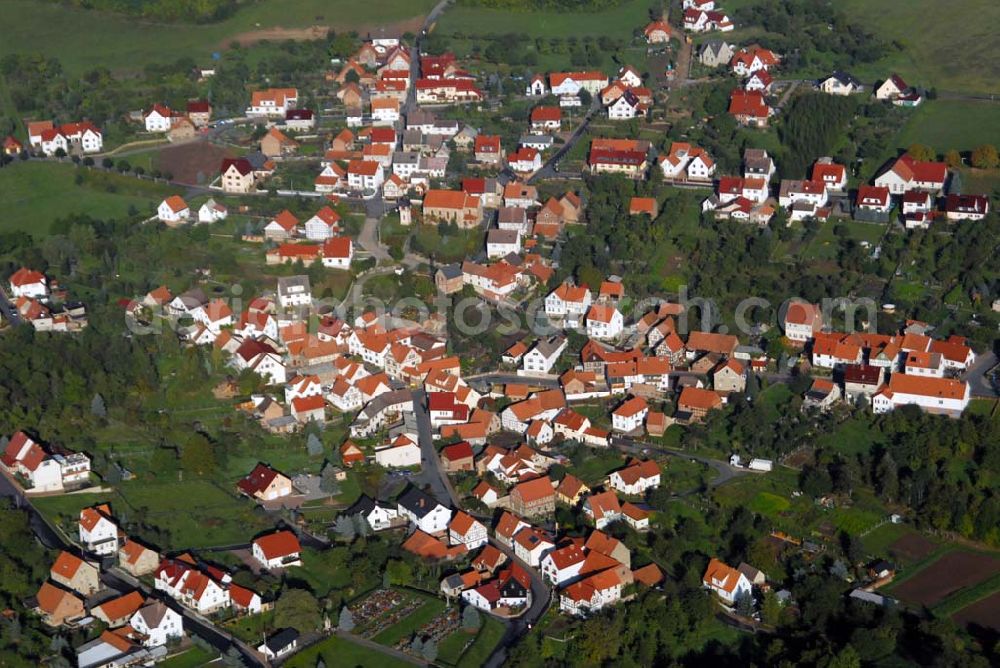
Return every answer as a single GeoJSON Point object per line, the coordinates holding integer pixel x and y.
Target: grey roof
{"type": "Point", "coordinates": [281, 639]}
{"type": "Point", "coordinates": [286, 283]}
{"type": "Point", "coordinates": [420, 116]}
{"type": "Point", "coordinates": [537, 139]}
{"type": "Point", "coordinates": [502, 236]}
{"type": "Point", "coordinates": [417, 502]}
{"type": "Point", "coordinates": [450, 271]}
{"type": "Point", "coordinates": [844, 78]}
{"type": "Point", "coordinates": [363, 506]}
{"type": "Point", "coordinates": [412, 137]}
{"type": "Point", "coordinates": [756, 159]}
{"type": "Point", "coordinates": [194, 298]}
{"type": "Point", "coordinates": [383, 401]}
{"type": "Point", "coordinates": [549, 346]}
{"type": "Point", "coordinates": [152, 613]}
{"type": "Point", "coordinates": [512, 214]}
{"type": "Point", "coordinates": [256, 160]}
{"type": "Point", "coordinates": [406, 157]}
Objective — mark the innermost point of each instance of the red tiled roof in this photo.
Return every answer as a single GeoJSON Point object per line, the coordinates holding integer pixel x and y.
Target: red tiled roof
{"type": "Point", "coordinates": [279, 544]}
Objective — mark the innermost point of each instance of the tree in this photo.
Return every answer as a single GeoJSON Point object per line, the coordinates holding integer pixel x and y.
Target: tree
{"type": "Point", "coordinates": [346, 622]}
{"type": "Point", "coordinates": [361, 526]}
{"type": "Point", "coordinates": [430, 650]}
{"type": "Point", "coordinates": [744, 604]}
{"type": "Point", "coordinates": [816, 482]}
{"type": "Point", "coordinates": [921, 152]}
{"type": "Point", "coordinates": [470, 618]}
{"type": "Point", "coordinates": [328, 479]}
{"type": "Point", "coordinates": [344, 528]}
{"type": "Point", "coordinates": [298, 609]}
{"type": "Point", "coordinates": [97, 407]}
{"type": "Point", "coordinates": [197, 455]}
{"type": "Point", "coordinates": [107, 163]}
{"type": "Point", "coordinates": [770, 609]}
{"type": "Point", "coordinates": [314, 446]}
{"type": "Point", "coordinates": [985, 157]}
{"type": "Point", "coordinates": [953, 159]}
{"type": "Point", "coordinates": [887, 478]}
{"type": "Point", "coordinates": [123, 166]}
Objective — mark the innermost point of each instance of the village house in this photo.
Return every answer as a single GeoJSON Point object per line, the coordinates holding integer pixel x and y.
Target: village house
{"type": "Point", "coordinates": [72, 572]}
{"type": "Point", "coordinates": [157, 624]}
{"type": "Point", "coordinates": [487, 150]}
{"type": "Point", "coordinates": [695, 402]}
{"type": "Point", "coordinates": [423, 511]}
{"type": "Point", "coordinates": [604, 322]}
{"type": "Point", "coordinates": [543, 355]}
{"type": "Point", "coordinates": [715, 53]}
{"type": "Point", "coordinates": [401, 452]}
{"type": "Point", "coordinates": [137, 559]}
{"type": "Point", "coordinates": [276, 144]}
{"type": "Point", "coordinates": [728, 583]}
{"type": "Point", "coordinates": [237, 175]}
{"type": "Point", "coordinates": [366, 175]}
{"type": "Point", "coordinates": [272, 102]}
{"type": "Point", "coordinates": [657, 32]}
{"type": "Point", "coordinates": [452, 206]}
{"type": "Point", "coordinates": [533, 497]}
{"type": "Point", "coordinates": [839, 83]}
{"type": "Point", "coordinates": [98, 531]}
{"type": "Point", "coordinates": [873, 198]}
{"type": "Point", "coordinates": [906, 173]}
{"type": "Point", "coordinates": [729, 376]}
{"type": "Point", "coordinates": [265, 484]}
{"type": "Point", "coordinates": [468, 531]}
{"type": "Point", "coordinates": [546, 119]}
{"type": "Point", "coordinates": [945, 396]}
{"type": "Point", "coordinates": [802, 321]}
{"type": "Point", "coordinates": [749, 108]}
{"type": "Point", "coordinates": [58, 606]}
{"type": "Point", "coordinates": [173, 210]}
{"type": "Point", "coordinates": [636, 478]}
{"type": "Point", "coordinates": [277, 550]}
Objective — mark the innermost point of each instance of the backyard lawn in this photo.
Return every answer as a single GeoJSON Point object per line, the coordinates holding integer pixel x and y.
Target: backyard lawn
{"type": "Point", "coordinates": [192, 658]}
{"type": "Point", "coordinates": [37, 193]}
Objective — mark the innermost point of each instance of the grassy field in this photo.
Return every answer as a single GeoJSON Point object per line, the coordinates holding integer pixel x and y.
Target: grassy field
{"type": "Point", "coordinates": [83, 39]}
{"type": "Point", "coordinates": [952, 124]}
{"type": "Point", "coordinates": [37, 193]}
{"type": "Point", "coordinates": [409, 624]}
{"type": "Point", "coordinates": [192, 658]}
{"type": "Point", "coordinates": [489, 636]}
{"type": "Point", "coordinates": [337, 651]}
{"type": "Point", "coordinates": [617, 22]}
{"type": "Point", "coordinates": [952, 46]}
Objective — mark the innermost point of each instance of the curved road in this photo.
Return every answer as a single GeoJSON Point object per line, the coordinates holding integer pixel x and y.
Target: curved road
{"type": "Point", "coordinates": [433, 477]}
{"type": "Point", "coordinates": [725, 470]}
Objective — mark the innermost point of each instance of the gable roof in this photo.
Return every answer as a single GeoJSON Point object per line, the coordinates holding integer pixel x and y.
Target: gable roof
{"type": "Point", "coordinates": [278, 544]}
